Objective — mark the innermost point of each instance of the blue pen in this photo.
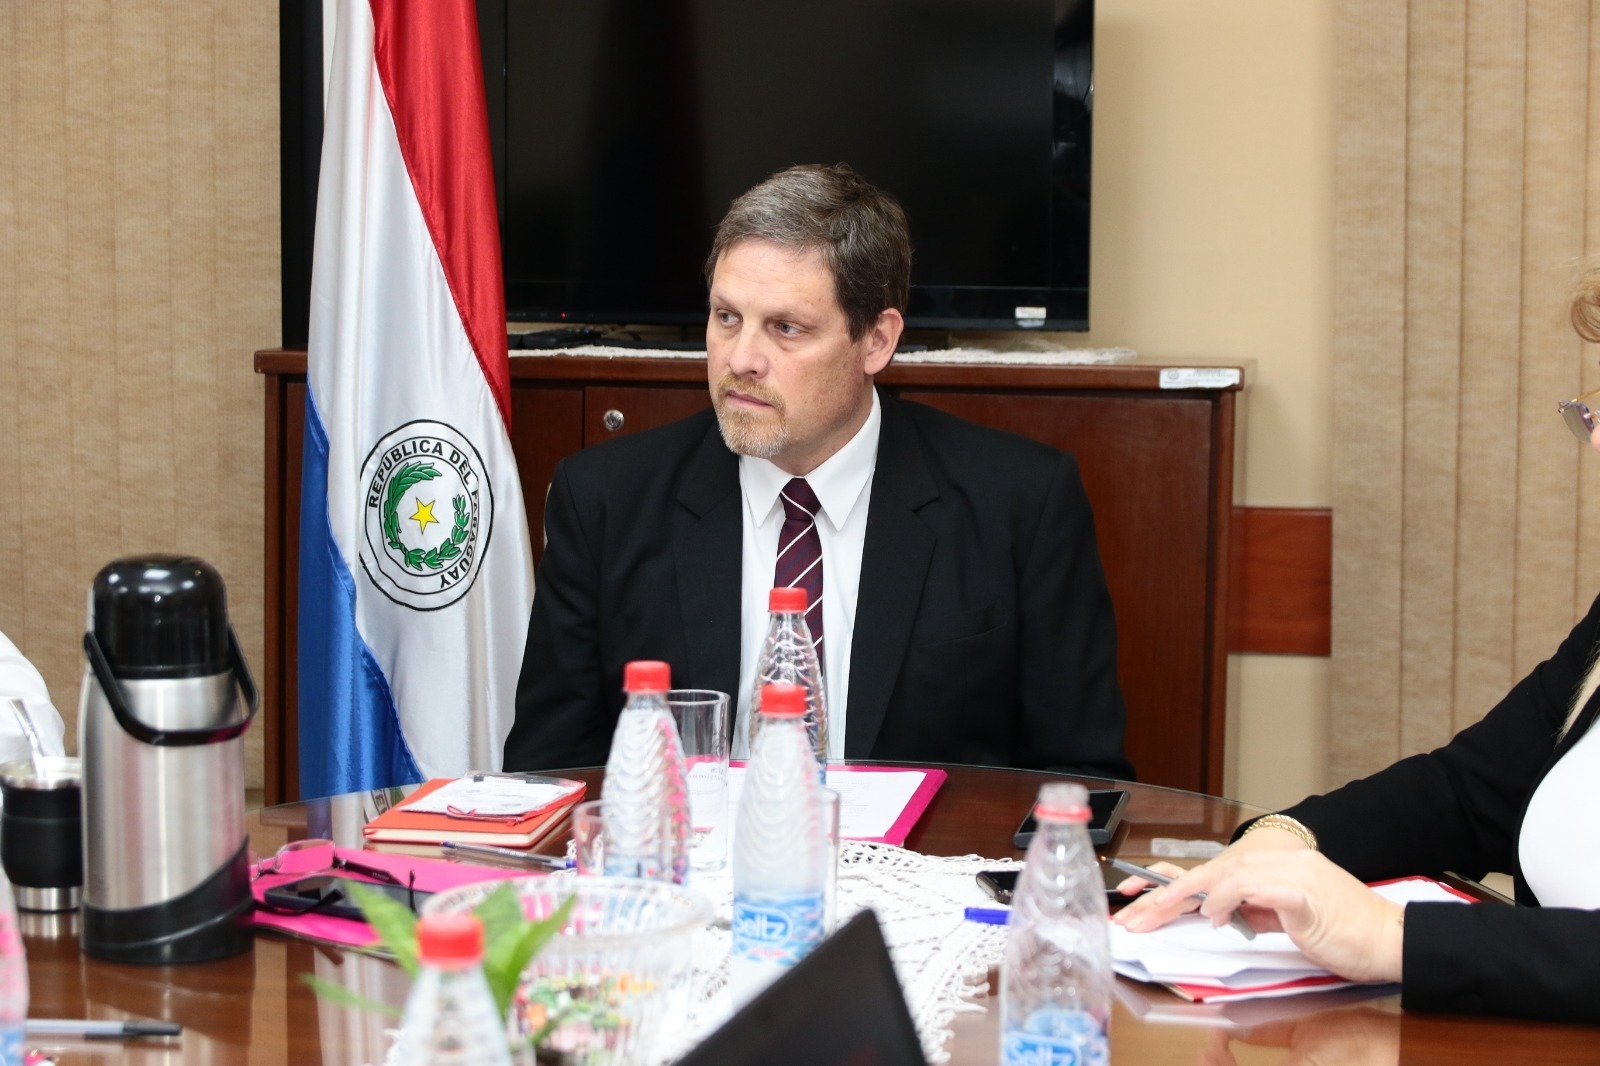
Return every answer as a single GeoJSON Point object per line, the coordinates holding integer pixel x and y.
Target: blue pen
{"type": "Point", "coordinates": [988, 915]}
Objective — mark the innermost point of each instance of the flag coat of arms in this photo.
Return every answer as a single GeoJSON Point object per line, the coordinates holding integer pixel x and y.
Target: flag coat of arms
{"type": "Point", "coordinates": [416, 574]}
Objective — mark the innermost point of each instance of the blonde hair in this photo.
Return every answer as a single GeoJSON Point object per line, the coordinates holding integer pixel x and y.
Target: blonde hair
{"type": "Point", "coordinates": [1586, 689]}
{"type": "Point", "coordinates": [1584, 313]}
{"type": "Point", "coordinates": [1584, 309]}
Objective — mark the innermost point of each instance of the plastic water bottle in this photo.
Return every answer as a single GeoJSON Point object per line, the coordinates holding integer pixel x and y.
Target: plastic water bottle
{"type": "Point", "coordinates": [450, 1016]}
{"type": "Point", "coordinates": [13, 981]}
{"type": "Point", "coordinates": [1055, 981]}
{"type": "Point", "coordinates": [780, 847]}
{"type": "Point", "coordinates": [646, 792]}
{"type": "Point", "coordinates": [788, 655]}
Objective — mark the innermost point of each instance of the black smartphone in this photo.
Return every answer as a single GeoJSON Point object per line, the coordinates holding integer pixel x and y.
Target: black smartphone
{"type": "Point", "coordinates": [327, 894]}
{"type": "Point", "coordinates": [1000, 884]}
{"type": "Point", "coordinates": [1105, 814]}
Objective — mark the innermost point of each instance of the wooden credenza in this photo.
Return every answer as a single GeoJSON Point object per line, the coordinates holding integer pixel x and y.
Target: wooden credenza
{"type": "Point", "coordinates": [1157, 463]}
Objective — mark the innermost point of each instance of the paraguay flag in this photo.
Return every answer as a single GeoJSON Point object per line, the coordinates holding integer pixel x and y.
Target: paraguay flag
{"type": "Point", "coordinates": [415, 571]}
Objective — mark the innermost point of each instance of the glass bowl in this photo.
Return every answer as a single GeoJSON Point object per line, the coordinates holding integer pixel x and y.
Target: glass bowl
{"type": "Point", "coordinates": [611, 982]}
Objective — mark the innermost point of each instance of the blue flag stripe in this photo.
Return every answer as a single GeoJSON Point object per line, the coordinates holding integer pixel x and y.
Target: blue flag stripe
{"type": "Point", "coordinates": [350, 738]}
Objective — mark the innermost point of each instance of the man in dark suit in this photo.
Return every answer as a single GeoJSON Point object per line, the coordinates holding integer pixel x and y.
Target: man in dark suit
{"type": "Point", "coordinates": [963, 613]}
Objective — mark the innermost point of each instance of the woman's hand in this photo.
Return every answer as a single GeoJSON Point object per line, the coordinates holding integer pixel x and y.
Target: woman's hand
{"type": "Point", "coordinates": [1336, 921]}
{"type": "Point", "coordinates": [1266, 839]}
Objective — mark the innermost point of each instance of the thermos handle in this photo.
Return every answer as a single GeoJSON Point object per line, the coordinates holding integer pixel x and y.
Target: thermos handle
{"type": "Point", "coordinates": [171, 738]}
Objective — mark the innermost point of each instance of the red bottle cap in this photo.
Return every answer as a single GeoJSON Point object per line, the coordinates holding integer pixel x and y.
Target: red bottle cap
{"type": "Point", "coordinates": [783, 699]}
{"type": "Point", "coordinates": [450, 939]}
{"type": "Point", "coordinates": [1062, 801]}
{"type": "Point", "coordinates": [646, 675]}
{"type": "Point", "coordinates": [787, 599]}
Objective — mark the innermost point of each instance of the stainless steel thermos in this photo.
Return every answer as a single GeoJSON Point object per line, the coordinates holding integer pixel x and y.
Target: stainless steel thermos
{"type": "Point", "coordinates": [165, 856]}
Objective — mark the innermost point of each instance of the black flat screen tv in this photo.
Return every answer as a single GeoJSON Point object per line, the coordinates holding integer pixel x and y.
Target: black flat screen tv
{"type": "Point", "coordinates": [623, 128]}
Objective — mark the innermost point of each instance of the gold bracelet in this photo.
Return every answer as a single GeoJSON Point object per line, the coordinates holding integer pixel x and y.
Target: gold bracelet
{"type": "Point", "coordinates": [1284, 822]}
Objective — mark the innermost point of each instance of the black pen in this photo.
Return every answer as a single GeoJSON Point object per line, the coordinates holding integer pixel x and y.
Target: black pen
{"type": "Point", "coordinates": [1235, 920]}
{"type": "Point", "coordinates": [84, 1029]}
{"type": "Point", "coordinates": [527, 858]}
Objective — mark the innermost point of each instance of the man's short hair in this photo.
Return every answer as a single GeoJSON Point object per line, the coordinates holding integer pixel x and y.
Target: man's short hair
{"type": "Point", "coordinates": [860, 230]}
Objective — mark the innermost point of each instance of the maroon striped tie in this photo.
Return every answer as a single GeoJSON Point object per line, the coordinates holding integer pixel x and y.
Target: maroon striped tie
{"type": "Point", "coordinates": [800, 553]}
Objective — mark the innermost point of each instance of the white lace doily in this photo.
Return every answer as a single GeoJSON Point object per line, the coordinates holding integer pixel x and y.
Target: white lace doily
{"type": "Point", "coordinates": [942, 960]}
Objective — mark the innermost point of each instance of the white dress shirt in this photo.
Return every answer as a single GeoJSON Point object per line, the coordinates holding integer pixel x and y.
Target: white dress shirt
{"type": "Point", "coordinates": [843, 485]}
{"type": "Point", "coordinates": [1558, 846]}
{"type": "Point", "coordinates": [18, 678]}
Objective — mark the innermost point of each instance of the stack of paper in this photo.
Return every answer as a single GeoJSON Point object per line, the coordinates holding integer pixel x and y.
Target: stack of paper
{"type": "Point", "coordinates": [1216, 965]}
{"type": "Point", "coordinates": [506, 810]}
{"type": "Point", "coordinates": [880, 804]}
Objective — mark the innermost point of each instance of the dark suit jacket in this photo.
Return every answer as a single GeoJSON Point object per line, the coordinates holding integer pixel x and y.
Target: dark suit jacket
{"type": "Point", "coordinates": [1460, 808]}
{"type": "Point", "coordinates": [983, 630]}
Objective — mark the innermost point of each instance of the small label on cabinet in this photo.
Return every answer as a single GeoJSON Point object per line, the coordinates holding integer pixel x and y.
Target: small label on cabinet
{"type": "Point", "coordinates": [1200, 377]}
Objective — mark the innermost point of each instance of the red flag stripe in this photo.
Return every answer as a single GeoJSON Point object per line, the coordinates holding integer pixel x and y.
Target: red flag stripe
{"type": "Point", "coordinates": [432, 76]}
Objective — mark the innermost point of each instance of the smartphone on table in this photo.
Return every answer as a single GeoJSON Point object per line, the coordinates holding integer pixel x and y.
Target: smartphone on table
{"type": "Point", "coordinates": [329, 894]}
{"type": "Point", "coordinates": [1000, 884]}
{"type": "Point", "coordinates": [1105, 814]}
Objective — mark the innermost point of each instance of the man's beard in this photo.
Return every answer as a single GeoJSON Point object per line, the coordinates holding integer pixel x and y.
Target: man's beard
{"type": "Point", "coordinates": [745, 433]}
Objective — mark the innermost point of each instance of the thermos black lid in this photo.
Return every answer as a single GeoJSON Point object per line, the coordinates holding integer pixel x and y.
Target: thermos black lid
{"type": "Point", "coordinates": [161, 616]}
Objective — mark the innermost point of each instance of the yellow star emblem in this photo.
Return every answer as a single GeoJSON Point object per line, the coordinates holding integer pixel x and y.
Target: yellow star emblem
{"type": "Point", "coordinates": [424, 516]}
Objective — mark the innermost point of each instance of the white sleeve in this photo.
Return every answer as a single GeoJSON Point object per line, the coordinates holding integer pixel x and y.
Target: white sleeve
{"type": "Point", "coordinates": [19, 678]}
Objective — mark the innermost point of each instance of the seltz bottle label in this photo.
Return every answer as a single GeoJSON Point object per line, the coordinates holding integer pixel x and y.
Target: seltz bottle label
{"type": "Point", "coordinates": [1056, 1038]}
{"type": "Point", "coordinates": [777, 928]}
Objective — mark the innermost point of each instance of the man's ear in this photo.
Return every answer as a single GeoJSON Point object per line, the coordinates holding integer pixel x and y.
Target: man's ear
{"type": "Point", "coordinates": [883, 336]}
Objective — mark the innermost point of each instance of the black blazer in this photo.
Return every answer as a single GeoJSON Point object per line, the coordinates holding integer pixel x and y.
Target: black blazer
{"type": "Point", "coordinates": [1460, 808]}
{"type": "Point", "coordinates": [983, 633]}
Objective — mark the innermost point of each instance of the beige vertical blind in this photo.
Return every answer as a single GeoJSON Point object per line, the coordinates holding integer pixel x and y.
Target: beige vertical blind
{"type": "Point", "coordinates": [1467, 194]}
{"type": "Point", "coordinates": [138, 272]}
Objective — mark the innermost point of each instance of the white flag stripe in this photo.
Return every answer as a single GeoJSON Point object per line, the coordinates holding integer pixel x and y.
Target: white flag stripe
{"type": "Point", "coordinates": [389, 349]}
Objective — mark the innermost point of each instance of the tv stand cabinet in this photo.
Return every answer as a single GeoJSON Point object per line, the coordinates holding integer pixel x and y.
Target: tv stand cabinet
{"type": "Point", "coordinates": [1157, 463]}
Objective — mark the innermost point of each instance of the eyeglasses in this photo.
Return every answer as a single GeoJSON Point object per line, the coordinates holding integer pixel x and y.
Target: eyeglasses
{"type": "Point", "coordinates": [317, 856]}
{"type": "Point", "coordinates": [306, 858]}
{"type": "Point", "coordinates": [1579, 415]}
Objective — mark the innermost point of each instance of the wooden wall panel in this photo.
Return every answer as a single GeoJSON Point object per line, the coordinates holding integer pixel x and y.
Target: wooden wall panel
{"type": "Point", "coordinates": [1281, 574]}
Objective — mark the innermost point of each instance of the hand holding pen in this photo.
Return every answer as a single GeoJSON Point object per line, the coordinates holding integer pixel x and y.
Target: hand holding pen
{"type": "Point", "coordinates": [1235, 920]}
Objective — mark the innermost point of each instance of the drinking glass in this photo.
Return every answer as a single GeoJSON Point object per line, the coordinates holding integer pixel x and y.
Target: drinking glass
{"type": "Point", "coordinates": [830, 861]}
{"type": "Point", "coordinates": [701, 716]}
{"type": "Point", "coordinates": [589, 838]}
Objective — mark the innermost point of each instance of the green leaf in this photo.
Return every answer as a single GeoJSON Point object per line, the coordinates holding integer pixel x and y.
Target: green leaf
{"type": "Point", "coordinates": [414, 558]}
{"type": "Point", "coordinates": [392, 920]}
{"type": "Point", "coordinates": [509, 952]}
{"type": "Point", "coordinates": [500, 912]}
{"type": "Point", "coordinates": [447, 550]}
{"type": "Point", "coordinates": [342, 996]}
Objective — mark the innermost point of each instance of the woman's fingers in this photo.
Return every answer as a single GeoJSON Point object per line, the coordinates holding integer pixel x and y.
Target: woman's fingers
{"type": "Point", "coordinates": [1335, 920]}
{"type": "Point", "coordinates": [1133, 884]}
{"type": "Point", "coordinates": [1159, 906]}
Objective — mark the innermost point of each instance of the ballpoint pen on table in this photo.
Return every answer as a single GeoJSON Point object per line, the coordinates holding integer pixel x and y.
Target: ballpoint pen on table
{"type": "Point", "coordinates": [987, 915]}
{"type": "Point", "coordinates": [1235, 920]}
{"type": "Point", "coordinates": [94, 1029]}
{"type": "Point", "coordinates": [526, 858]}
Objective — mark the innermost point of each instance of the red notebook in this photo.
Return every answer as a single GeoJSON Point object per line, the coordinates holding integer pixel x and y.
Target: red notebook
{"type": "Point", "coordinates": [399, 824]}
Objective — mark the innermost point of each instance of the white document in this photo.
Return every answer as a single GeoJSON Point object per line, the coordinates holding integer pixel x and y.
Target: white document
{"type": "Point", "coordinates": [490, 796]}
{"type": "Point", "coordinates": [1190, 951]}
{"type": "Point", "coordinates": [870, 801]}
